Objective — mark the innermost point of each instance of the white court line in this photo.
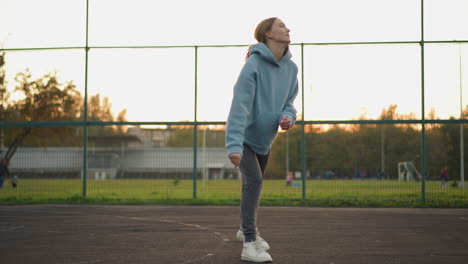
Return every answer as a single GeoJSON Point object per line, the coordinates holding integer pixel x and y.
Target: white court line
{"type": "Point", "coordinates": [224, 238]}
{"type": "Point", "coordinates": [198, 259]}
{"type": "Point", "coordinates": [175, 222]}
{"type": "Point", "coordinates": [8, 228]}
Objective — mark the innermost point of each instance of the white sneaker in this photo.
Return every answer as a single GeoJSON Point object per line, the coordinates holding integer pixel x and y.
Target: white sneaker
{"type": "Point", "coordinates": [251, 252]}
{"type": "Point", "coordinates": [261, 243]}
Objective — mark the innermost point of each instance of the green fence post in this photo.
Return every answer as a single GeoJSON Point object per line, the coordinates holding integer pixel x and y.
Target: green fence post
{"type": "Point", "coordinates": [303, 155]}
{"type": "Point", "coordinates": [85, 110]}
{"type": "Point", "coordinates": [423, 117]}
{"type": "Point", "coordinates": [195, 127]}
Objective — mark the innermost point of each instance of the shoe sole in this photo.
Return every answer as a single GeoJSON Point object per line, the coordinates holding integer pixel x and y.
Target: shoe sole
{"type": "Point", "coordinates": [256, 261]}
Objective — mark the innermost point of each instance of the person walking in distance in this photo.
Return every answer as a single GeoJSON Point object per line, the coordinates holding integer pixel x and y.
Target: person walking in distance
{"type": "Point", "coordinates": [444, 177]}
{"type": "Point", "coordinates": [263, 101]}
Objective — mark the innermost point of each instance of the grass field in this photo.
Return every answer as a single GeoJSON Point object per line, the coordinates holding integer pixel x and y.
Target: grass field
{"type": "Point", "coordinates": [227, 192]}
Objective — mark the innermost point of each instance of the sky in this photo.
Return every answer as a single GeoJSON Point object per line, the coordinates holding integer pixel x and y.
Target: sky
{"type": "Point", "coordinates": [340, 81]}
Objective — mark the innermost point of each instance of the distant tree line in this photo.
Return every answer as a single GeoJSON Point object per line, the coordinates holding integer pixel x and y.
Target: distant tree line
{"type": "Point", "coordinates": [46, 99]}
{"type": "Point", "coordinates": [356, 151]}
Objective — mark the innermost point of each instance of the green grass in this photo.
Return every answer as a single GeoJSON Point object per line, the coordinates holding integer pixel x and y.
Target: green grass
{"type": "Point", "coordinates": [341, 193]}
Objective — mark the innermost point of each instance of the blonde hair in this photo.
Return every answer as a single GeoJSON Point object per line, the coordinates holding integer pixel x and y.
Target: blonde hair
{"type": "Point", "coordinates": [260, 32]}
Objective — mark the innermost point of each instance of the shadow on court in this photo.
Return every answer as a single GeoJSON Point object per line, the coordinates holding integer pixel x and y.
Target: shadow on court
{"type": "Point", "coordinates": [205, 234]}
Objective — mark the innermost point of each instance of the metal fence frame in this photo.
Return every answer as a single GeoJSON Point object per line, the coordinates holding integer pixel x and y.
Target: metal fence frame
{"type": "Point", "coordinates": [195, 123]}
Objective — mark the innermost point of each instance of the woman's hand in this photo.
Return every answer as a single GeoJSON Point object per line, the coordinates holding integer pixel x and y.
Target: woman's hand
{"type": "Point", "coordinates": [235, 159]}
{"type": "Point", "coordinates": [285, 123]}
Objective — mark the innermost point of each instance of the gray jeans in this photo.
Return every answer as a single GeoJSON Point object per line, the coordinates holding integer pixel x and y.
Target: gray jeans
{"type": "Point", "coordinates": [252, 168]}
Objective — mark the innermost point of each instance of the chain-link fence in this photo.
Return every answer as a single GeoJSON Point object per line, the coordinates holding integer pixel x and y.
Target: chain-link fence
{"type": "Point", "coordinates": [390, 158]}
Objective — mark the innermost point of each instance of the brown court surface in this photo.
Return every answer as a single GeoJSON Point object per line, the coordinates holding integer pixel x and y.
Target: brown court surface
{"type": "Point", "coordinates": [206, 234]}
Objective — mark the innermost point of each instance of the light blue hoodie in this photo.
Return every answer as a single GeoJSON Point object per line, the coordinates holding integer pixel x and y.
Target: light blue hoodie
{"type": "Point", "coordinates": [263, 94]}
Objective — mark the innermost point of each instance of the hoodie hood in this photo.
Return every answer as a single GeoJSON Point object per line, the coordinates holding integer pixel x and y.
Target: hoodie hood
{"type": "Point", "coordinates": [265, 53]}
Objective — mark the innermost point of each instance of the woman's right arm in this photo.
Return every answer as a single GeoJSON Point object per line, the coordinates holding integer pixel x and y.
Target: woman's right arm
{"type": "Point", "coordinates": [241, 106]}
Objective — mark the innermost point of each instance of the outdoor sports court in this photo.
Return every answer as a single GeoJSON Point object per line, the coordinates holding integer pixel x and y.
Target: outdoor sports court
{"type": "Point", "coordinates": [206, 234]}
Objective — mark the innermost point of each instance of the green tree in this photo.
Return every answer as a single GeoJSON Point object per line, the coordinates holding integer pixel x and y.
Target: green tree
{"type": "Point", "coordinates": [402, 142]}
{"type": "Point", "coordinates": [3, 110]}
{"type": "Point", "coordinates": [3, 99]}
{"type": "Point", "coordinates": [450, 133]}
{"type": "Point", "coordinates": [44, 99]}
{"type": "Point", "coordinates": [101, 110]}
{"type": "Point", "coordinates": [286, 150]}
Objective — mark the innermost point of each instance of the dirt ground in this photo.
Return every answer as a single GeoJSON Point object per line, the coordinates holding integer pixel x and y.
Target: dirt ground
{"type": "Point", "coordinates": [206, 234]}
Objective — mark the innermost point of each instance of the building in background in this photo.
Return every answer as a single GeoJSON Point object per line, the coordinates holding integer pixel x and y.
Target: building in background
{"type": "Point", "coordinates": [151, 136]}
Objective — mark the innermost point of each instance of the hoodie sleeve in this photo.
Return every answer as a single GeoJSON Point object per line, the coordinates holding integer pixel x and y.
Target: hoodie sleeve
{"type": "Point", "coordinates": [241, 107]}
{"type": "Point", "coordinates": [289, 109]}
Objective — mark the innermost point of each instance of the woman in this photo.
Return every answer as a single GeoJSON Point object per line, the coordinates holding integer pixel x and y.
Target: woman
{"type": "Point", "coordinates": [263, 100]}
